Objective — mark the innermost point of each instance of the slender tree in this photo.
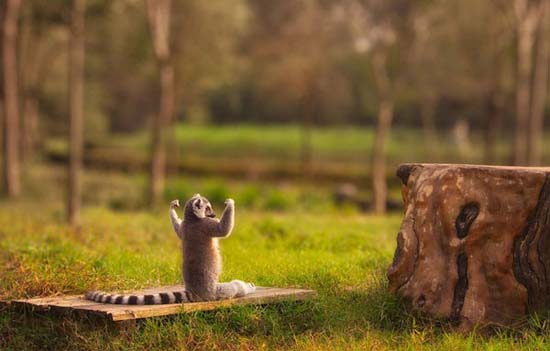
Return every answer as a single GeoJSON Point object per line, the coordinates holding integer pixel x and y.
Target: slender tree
{"type": "Point", "coordinates": [540, 89]}
{"type": "Point", "coordinates": [527, 17]}
{"type": "Point", "coordinates": [36, 51]}
{"type": "Point", "coordinates": [383, 125]}
{"type": "Point", "coordinates": [493, 110]}
{"type": "Point", "coordinates": [32, 53]}
{"type": "Point", "coordinates": [295, 58]}
{"type": "Point", "coordinates": [378, 27]}
{"type": "Point", "coordinates": [158, 13]}
{"type": "Point", "coordinates": [76, 109]}
{"type": "Point", "coordinates": [425, 79]}
{"type": "Point", "coordinates": [491, 89]}
{"type": "Point", "coordinates": [428, 106]}
{"type": "Point", "coordinates": [12, 185]}
{"type": "Point", "coordinates": [308, 105]}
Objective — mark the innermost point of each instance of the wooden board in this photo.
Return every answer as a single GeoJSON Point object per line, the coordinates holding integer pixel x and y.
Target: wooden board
{"type": "Point", "coordinates": [77, 303]}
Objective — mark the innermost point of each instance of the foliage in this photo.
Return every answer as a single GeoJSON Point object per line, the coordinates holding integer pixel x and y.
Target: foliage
{"type": "Point", "coordinates": [266, 61]}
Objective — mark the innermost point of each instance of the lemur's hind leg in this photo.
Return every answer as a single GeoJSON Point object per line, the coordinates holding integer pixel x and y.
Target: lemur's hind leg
{"type": "Point", "coordinates": [235, 288]}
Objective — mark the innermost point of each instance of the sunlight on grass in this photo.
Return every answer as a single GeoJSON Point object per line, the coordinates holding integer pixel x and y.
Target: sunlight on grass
{"type": "Point", "coordinates": [342, 256]}
{"type": "Point", "coordinates": [286, 235]}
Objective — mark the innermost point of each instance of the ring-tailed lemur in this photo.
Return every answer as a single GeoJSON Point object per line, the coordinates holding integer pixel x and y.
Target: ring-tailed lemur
{"type": "Point", "coordinates": [199, 232]}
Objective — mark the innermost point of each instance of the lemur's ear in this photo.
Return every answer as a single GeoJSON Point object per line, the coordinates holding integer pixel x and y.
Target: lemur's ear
{"type": "Point", "coordinates": [196, 195]}
{"type": "Point", "coordinates": [198, 203]}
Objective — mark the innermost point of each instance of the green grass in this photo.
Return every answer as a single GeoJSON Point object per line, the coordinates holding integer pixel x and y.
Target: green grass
{"type": "Point", "coordinates": [343, 144]}
{"type": "Point", "coordinates": [338, 153]}
{"type": "Point", "coordinates": [341, 254]}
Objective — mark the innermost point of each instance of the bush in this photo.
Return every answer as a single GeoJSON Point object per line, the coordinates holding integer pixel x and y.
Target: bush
{"type": "Point", "coordinates": [249, 197]}
{"type": "Point", "coordinates": [277, 200]}
{"type": "Point", "coordinates": [216, 192]}
{"type": "Point", "coordinates": [177, 190]}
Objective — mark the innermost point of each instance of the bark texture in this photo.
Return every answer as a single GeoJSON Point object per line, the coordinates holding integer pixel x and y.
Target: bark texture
{"type": "Point", "coordinates": [35, 54]}
{"type": "Point", "coordinates": [474, 246]}
{"type": "Point", "coordinates": [12, 184]}
{"type": "Point", "coordinates": [528, 16]}
{"type": "Point", "coordinates": [540, 90]}
{"type": "Point", "coordinates": [383, 125]}
{"type": "Point", "coordinates": [76, 110]}
{"type": "Point", "coordinates": [158, 12]}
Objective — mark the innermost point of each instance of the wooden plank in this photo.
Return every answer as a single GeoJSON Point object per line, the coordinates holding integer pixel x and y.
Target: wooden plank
{"type": "Point", "coordinates": [47, 303]}
{"type": "Point", "coordinates": [79, 305]}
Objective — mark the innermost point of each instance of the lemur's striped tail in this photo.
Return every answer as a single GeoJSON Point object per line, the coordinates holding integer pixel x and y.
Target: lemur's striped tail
{"type": "Point", "coordinates": [145, 299]}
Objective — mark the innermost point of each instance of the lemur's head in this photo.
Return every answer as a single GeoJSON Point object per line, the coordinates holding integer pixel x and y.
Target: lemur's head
{"type": "Point", "coordinates": [198, 207]}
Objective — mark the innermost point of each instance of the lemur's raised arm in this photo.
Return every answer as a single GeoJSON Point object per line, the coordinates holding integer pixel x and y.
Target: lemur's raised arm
{"type": "Point", "coordinates": [176, 221]}
{"type": "Point", "coordinates": [223, 227]}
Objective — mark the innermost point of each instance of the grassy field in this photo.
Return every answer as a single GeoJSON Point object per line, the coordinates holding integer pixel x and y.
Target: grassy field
{"type": "Point", "coordinates": [303, 241]}
{"type": "Point", "coordinates": [351, 144]}
{"type": "Point", "coordinates": [338, 154]}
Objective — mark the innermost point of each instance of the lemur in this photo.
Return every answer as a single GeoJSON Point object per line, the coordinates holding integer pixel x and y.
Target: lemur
{"type": "Point", "coordinates": [199, 231]}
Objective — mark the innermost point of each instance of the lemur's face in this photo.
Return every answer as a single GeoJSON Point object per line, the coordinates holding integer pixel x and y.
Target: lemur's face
{"type": "Point", "coordinates": [202, 207]}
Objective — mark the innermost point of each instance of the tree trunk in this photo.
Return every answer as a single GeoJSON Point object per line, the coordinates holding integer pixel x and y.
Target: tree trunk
{"type": "Point", "coordinates": [76, 109]}
{"type": "Point", "coordinates": [30, 126]}
{"type": "Point", "coordinates": [160, 132]}
{"type": "Point", "coordinates": [527, 18]}
{"type": "Point", "coordinates": [427, 113]}
{"type": "Point", "coordinates": [307, 130]}
{"type": "Point", "coordinates": [158, 12]}
{"type": "Point", "coordinates": [306, 152]}
{"type": "Point", "coordinates": [493, 110]}
{"type": "Point", "coordinates": [540, 90]}
{"type": "Point", "coordinates": [32, 58]}
{"type": "Point", "coordinates": [474, 246]}
{"type": "Point", "coordinates": [385, 116]}
{"type": "Point", "coordinates": [12, 185]}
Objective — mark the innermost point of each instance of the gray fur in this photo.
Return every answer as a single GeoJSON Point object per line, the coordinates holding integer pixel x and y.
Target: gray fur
{"type": "Point", "coordinates": [144, 299]}
{"type": "Point", "coordinates": [199, 232]}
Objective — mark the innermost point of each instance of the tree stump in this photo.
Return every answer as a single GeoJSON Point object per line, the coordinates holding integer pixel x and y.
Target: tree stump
{"type": "Point", "coordinates": [474, 246]}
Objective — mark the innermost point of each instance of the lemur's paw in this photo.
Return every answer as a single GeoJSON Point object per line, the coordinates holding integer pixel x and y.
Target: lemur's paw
{"type": "Point", "coordinates": [251, 288]}
{"type": "Point", "coordinates": [229, 202]}
{"type": "Point", "coordinates": [175, 204]}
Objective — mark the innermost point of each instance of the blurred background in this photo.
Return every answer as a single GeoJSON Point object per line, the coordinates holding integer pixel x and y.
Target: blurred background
{"type": "Point", "coordinates": [279, 104]}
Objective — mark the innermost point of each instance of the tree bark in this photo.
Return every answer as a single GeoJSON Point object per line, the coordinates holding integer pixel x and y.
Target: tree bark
{"type": "Point", "coordinates": [76, 109]}
{"type": "Point", "coordinates": [32, 59]}
{"type": "Point", "coordinates": [384, 120]}
{"type": "Point", "coordinates": [30, 126]}
{"type": "Point", "coordinates": [540, 91]}
{"type": "Point", "coordinates": [493, 110]}
{"type": "Point", "coordinates": [159, 133]}
{"type": "Point", "coordinates": [427, 113]}
{"type": "Point", "coordinates": [307, 128]}
{"type": "Point", "coordinates": [158, 12]}
{"type": "Point", "coordinates": [306, 149]}
{"type": "Point", "coordinates": [527, 17]}
{"type": "Point", "coordinates": [12, 185]}
{"type": "Point", "coordinates": [474, 246]}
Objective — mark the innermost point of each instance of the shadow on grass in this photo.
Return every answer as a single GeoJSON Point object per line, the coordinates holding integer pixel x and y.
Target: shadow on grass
{"type": "Point", "coordinates": [22, 329]}
{"type": "Point", "coordinates": [357, 310]}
